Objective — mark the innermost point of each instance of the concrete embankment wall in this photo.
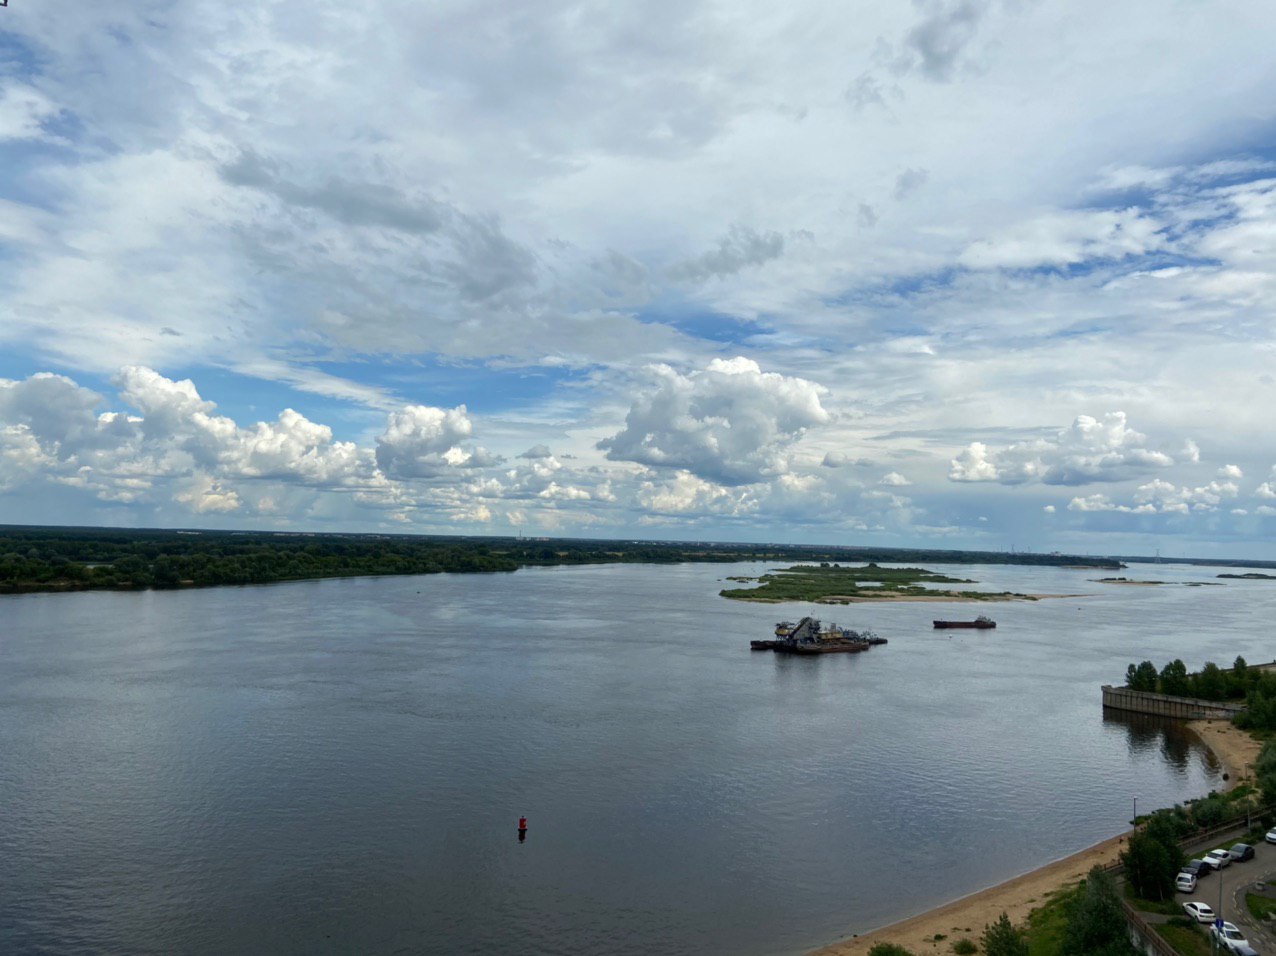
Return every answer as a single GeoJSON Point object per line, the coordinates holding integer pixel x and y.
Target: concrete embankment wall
{"type": "Point", "coordinates": [1163, 705]}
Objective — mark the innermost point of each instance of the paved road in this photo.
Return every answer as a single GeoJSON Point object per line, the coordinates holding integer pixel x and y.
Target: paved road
{"type": "Point", "coordinates": [1225, 892]}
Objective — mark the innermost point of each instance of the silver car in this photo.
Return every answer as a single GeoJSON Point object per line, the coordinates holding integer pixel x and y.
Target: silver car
{"type": "Point", "coordinates": [1218, 859]}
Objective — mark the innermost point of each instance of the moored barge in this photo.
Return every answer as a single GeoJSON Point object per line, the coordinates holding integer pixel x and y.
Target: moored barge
{"type": "Point", "coordinates": [980, 622]}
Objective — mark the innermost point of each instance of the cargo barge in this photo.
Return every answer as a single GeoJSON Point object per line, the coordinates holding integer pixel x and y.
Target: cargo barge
{"type": "Point", "coordinates": [980, 622]}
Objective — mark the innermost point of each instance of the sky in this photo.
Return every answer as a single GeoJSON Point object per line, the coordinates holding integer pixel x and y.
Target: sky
{"type": "Point", "coordinates": [943, 273]}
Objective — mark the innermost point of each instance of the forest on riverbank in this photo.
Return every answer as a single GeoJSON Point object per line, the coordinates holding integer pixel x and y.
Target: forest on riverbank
{"type": "Point", "coordinates": [73, 559]}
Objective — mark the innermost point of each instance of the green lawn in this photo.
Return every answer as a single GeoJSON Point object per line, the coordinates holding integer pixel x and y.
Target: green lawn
{"type": "Point", "coordinates": [1187, 940]}
{"type": "Point", "coordinates": [1260, 907]}
{"type": "Point", "coordinates": [1046, 923]}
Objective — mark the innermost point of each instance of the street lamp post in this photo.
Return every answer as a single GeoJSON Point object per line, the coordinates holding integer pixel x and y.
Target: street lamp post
{"type": "Point", "coordinates": [1218, 917]}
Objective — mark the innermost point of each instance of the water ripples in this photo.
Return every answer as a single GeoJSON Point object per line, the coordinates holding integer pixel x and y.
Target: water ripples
{"type": "Point", "coordinates": [337, 766]}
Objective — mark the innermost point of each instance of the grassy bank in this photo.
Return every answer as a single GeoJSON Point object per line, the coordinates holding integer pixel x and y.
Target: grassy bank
{"type": "Point", "coordinates": [839, 584]}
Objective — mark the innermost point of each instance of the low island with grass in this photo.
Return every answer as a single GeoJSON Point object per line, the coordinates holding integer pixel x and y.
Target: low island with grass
{"type": "Point", "coordinates": [847, 584]}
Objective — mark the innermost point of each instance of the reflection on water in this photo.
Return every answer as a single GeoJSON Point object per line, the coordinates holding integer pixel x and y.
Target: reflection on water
{"type": "Point", "coordinates": [1173, 739]}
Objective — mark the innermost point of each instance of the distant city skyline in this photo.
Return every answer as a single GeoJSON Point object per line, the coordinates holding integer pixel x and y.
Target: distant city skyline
{"type": "Point", "coordinates": [950, 274]}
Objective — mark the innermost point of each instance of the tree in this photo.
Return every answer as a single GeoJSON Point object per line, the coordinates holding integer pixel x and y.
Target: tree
{"type": "Point", "coordinates": [1210, 682]}
{"type": "Point", "coordinates": [1151, 866]}
{"type": "Point", "coordinates": [1167, 827]}
{"type": "Point", "coordinates": [1174, 679]}
{"type": "Point", "coordinates": [1142, 677]}
{"type": "Point", "coordinates": [1096, 925]}
{"type": "Point", "coordinates": [1002, 939]}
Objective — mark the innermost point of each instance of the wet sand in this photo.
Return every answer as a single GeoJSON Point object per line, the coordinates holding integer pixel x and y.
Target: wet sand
{"type": "Point", "coordinates": [1235, 750]}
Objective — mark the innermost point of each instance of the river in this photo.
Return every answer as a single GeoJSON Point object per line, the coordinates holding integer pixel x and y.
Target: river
{"type": "Point", "coordinates": [338, 766]}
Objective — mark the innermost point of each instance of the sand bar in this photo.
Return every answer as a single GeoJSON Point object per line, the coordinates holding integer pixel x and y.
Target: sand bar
{"type": "Point", "coordinates": [885, 597]}
{"type": "Point", "coordinates": [1235, 749]}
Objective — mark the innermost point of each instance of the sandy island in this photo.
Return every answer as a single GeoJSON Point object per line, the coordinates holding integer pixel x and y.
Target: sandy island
{"type": "Point", "coordinates": [1235, 750]}
{"type": "Point", "coordinates": [894, 596]}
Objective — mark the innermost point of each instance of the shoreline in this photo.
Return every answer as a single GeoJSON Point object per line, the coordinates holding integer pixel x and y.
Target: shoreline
{"type": "Point", "coordinates": [965, 917]}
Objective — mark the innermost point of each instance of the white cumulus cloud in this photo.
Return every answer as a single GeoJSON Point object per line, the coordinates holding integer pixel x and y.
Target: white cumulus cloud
{"type": "Point", "coordinates": [424, 442]}
{"type": "Point", "coordinates": [1089, 450]}
{"type": "Point", "coordinates": [730, 423]}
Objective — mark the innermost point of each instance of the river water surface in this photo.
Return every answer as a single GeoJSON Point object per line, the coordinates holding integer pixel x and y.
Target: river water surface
{"type": "Point", "coordinates": [338, 766]}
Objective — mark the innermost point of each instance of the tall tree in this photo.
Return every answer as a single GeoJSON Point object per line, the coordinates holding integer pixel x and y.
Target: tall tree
{"type": "Point", "coordinates": [1096, 925]}
{"type": "Point", "coordinates": [1142, 677]}
{"type": "Point", "coordinates": [1150, 866]}
{"type": "Point", "coordinates": [1174, 679]}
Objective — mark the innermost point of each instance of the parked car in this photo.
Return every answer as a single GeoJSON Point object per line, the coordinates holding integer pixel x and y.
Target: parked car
{"type": "Point", "coordinates": [1198, 868]}
{"type": "Point", "coordinates": [1229, 937]}
{"type": "Point", "coordinates": [1218, 858]}
{"type": "Point", "coordinates": [1240, 852]}
{"type": "Point", "coordinates": [1271, 835]}
{"type": "Point", "coordinates": [1185, 882]}
{"type": "Point", "coordinates": [1200, 912]}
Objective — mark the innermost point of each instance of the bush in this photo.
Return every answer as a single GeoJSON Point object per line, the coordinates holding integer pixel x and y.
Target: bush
{"type": "Point", "coordinates": [964, 947]}
{"type": "Point", "coordinates": [888, 949]}
{"type": "Point", "coordinates": [1002, 939]}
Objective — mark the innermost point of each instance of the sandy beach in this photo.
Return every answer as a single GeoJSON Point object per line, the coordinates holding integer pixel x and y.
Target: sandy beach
{"type": "Point", "coordinates": [1235, 750]}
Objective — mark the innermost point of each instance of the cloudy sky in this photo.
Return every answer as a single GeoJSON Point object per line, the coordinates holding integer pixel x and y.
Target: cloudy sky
{"type": "Point", "coordinates": [940, 273]}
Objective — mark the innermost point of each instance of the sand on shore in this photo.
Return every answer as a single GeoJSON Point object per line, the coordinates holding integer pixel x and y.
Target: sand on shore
{"type": "Point", "coordinates": [1235, 750]}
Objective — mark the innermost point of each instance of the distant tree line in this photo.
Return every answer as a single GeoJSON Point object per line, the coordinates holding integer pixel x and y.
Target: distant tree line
{"type": "Point", "coordinates": [46, 559]}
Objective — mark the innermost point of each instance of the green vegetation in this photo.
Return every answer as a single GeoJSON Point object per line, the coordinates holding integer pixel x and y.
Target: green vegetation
{"type": "Point", "coordinates": [1048, 922]}
{"type": "Point", "coordinates": [1169, 827]}
{"type": "Point", "coordinates": [75, 559]}
{"type": "Point", "coordinates": [1096, 922]}
{"type": "Point", "coordinates": [1265, 772]}
{"type": "Point", "coordinates": [1002, 938]}
{"type": "Point", "coordinates": [965, 947]}
{"type": "Point", "coordinates": [889, 949]}
{"type": "Point", "coordinates": [1251, 576]}
{"type": "Point", "coordinates": [1211, 682]}
{"type": "Point", "coordinates": [1260, 704]}
{"type": "Point", "coordinates": [1082, 920]}
{"type": "Point", "coordinates": [1185, 937]}
{"type": "Point", "coordinates": [1260, 907]}
{"type": "Point", "coordinates": [836, 584]}
{"type": "Point", "coordinates": [1151, 863]}
{"type": "Point", "coordinates": [1256, 686]}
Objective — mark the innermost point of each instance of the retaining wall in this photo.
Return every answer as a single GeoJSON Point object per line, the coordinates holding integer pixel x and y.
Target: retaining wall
{"type": "Point", "coordinates": [1163, 705]}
